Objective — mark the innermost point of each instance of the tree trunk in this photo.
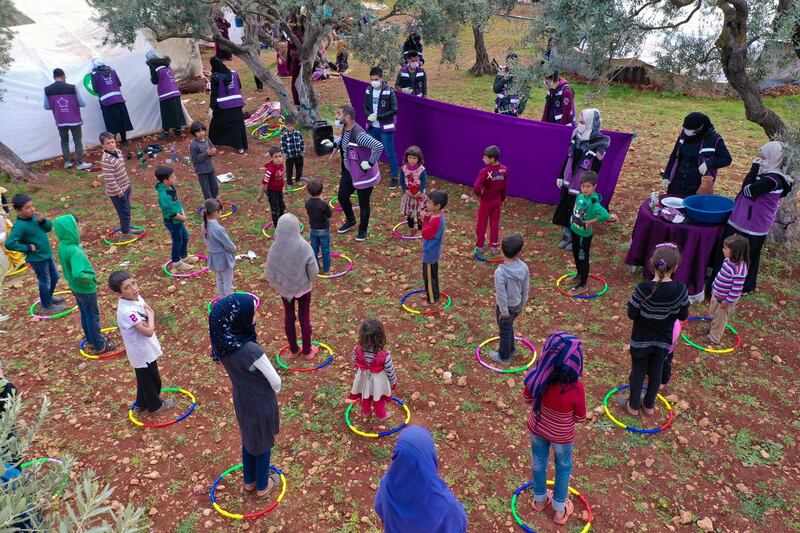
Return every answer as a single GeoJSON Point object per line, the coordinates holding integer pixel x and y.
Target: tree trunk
{"type": "Point", "coordinates": [482, 64]}
{"type": "Point", "coordinates": [11, 164]}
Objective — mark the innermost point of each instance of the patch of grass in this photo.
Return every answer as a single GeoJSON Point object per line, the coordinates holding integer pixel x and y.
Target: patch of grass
{"type": "Point", "coordinates": [755, 506]}
{"type": "Point", "coordinates": [746, 449]}
{"type": "Point", "coordinates": [460, 368]}
{"type": "Point", "coordinates": [381, 453]}
{"type": "Point", "coordinates": [746, 399]}
{"type": "Point", "coordinates": [470, 407]}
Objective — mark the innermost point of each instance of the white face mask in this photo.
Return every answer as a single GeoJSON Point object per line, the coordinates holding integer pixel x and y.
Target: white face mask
{"type": "Point", "coordinates": [689, 133]}
{"type": "Point", "coordinates": [338, 123]}
{"type": "Point", "coordinates": [580, 128]}
{"type": "Point", "coordinates": [376, 84]}
{"type": "Point", "coordinates": [414, 64]}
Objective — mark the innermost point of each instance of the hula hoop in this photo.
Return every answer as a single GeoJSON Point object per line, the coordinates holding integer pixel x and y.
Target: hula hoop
{"type": "Point", "coordinates": [337, 207]}
{"type": "Point", "coordinates": [611, 417]}
{"type": "Point", "coordinates": [233, 209]}
{"type": "Point", "coordinates": [300, 187]}
{"type": "Point", "coordinates": [572, 491]}
{"type": "Point", "coordinates": [65, 312]}
{"type": "Point", "coordinates": [87, 84]}
{"type": "Point", "coordinates": [400, 235]}
{"type": "Point", "coordinates": [236, 516]}
{"type": "Point", "coordinates": [688, 341]}
{"type": "Point", "coordinates": [39, 461]}
{"type": "Point", "coordinates": [190, 274]}
{"type": "Point", "coordinates": [323, 364]}
{"type": "Point", "coordinates": [582, 296]}
{"type": "Point", "coordinates": [343, 272]}
{"type": "Point", "coordinates": [386, 433]}
{"type": "Point", "coordinates": [528, 344]}
{"type": "Point", "coordinates": [19, 270]}
{"type": "Point", "coordinates": [479, 257]}
{"type": "Point", "coordinates": [218, 298]}
{"type": "Point", "coordinates": [428, 312]}
{"type": "Point", "coordinates": [124, 243]}
{"type": "Point", "coordinates": [121, 350]}
{"type": "Point", "coordinates": [189, 411]}
{"type": "Point", "coordinates": [269, 225]}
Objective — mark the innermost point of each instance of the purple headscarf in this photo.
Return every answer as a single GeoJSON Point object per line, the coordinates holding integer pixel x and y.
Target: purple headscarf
{"type": "Point", "coordinates": [562, 353]}
{"type": "Point", "coordinates": [412, 496]}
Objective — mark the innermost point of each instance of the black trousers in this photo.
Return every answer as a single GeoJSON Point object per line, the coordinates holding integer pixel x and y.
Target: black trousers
{"type": "Point", "coordinates": [411, 222]}
{"type": "Point", "coordinates": [430, 276]}
{"type": "Point", "coordinates": [346, 190]}
{"type": "Point", "coordinates": [148, 387]}
{"type": "Point", "coordinates": [259, 83]}
{"type": "Point", "coordinates": [277, 206]}
{"type": "Point", "coordinates": [209, 185]}
{"type": "Point", "coordinates": [646, 362]}
{"type": "Point", "coordinates": [580, 252]}
{"type": "Point", "coordinates": [666, 372]}
{"type": "Point", "coordinates": [291, 164]}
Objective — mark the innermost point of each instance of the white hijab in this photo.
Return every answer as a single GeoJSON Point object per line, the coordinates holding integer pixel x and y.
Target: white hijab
{"type": "Point", "coordinates": [772, 160]}
{"type": "Point", "coordinates": [98, 62]}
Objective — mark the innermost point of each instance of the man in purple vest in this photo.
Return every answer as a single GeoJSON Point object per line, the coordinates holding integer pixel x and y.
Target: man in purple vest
{"type": "Point", "coordinates": [360, 171]}
{"type": "Point", "coordinates": [380, 106]}
{"type": "Point", "coordinates": [169, 96]}
{"type": "Point", "coordinates": [412, 79]}
{"type": "Point", "coordinates": [559, 105]}
{"type": "Point", "coordinates": [65, 101]}
{"type": "Point", "coordinates": [106, 84]}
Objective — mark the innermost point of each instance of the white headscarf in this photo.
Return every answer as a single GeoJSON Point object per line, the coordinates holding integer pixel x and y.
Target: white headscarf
{"type": "Point", "coordinates": [151, 54]}
{"type": "Point", "coordinates": [98, 62]}
{"type": "Point", "coordinates": [291, 266]}
{"type": "Point", "coordinates": [772, 160]}
{"type": "Point", "coordinates": [590, 116]}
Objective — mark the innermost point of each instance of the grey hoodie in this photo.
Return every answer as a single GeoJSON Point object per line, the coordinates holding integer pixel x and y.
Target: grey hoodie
{"type": "Point", "coordinates": [511, 281]}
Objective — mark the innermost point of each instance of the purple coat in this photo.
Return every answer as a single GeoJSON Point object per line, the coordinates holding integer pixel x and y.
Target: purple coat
{"type": "Point", "coordinates": [585, 160]}
{"type": "Point", "coordinates": [758, 202]}
{"type": "Point", "coordinates": [229, 95]}
{"type": "Point", "coordinates": [107, 85]}
{"type": "Point", "coordinates": [166, 87]}
{"type": "Point", "coordinates": [63, 100]}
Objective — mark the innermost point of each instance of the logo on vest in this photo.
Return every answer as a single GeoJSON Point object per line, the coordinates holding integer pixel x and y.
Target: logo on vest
{"type": "Point", "coordinates": [63, 103]}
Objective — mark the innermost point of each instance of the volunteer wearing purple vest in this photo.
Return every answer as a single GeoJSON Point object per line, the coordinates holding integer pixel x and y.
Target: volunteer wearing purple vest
{"type": "Point", "coordinates": [757, 206]}
{"type": "Point", "coordinates": [586, 152]}
{"type": "Point", "coordinates": [360, 171]}
{"type": "Point", "coordinates": [698, 153]}
{"type": "Point", "coordinates": [65, 101]}
{"type": "Point", "coordinates": [169, 96]}
{"type": "Point", "coordinates": [380, 106]}
{"type": "Point", "coordinates": [227, 122]}
{"type": "Point", "coordinates": [106, 84]}
{"type": "Point", "coordinates": [412, 79]}
{"type": "Point", "coordinates": [559, 105]}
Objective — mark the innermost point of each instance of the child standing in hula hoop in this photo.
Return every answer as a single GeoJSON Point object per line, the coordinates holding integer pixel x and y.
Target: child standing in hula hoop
{"type": "Point", "coordinates": [654, 307]}
{"type": "Point", "coordinates": [728, 285]}
{"type": "Point", "coordinates": [174, 217]}
{"type": "Point", "coordinates": [319, 219]}
{"type": "Point", "coordinates": [413, 179]}
{"type": "Point", "coordinates": [202, 152]}
{"type": "Point", "coordinates": [272, 185]}
{"type": "Point", "coordinates": [221, 258]}
{"type": "Point", "coordinates": [511, 283]}
{"type": "Point", "coordinates": [375, 375]}
{"type": "Point", "coordinates": [432, 235]}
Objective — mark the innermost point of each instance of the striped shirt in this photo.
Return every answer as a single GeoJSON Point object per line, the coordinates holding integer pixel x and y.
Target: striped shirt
{"type": "Point", "coordinates": [729, 282]}
{"type": "Point", "coordinates": [562, 407]}
{"type": "Point", "coordinates": [388, 366]}
{"type": "Point", "coordinates": [115, 173]}
{"type": "Point", "coordinates": [654, 313]}
{"type": "Point", "coordinates": [363, 139]}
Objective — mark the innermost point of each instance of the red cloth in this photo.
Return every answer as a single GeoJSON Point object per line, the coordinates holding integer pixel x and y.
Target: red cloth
{"type": "Point", "coordinates": [274, 176]}
{"type": "Point", "coordinates": [430, 227]}
{"type": "Point", "coordinates": [488, 213]}
{"type": "Point", "coordinates": [492, 182]}
{"type": "Point", "coordinates": [562, 407]}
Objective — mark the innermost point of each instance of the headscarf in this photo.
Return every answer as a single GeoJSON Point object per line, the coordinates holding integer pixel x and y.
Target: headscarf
{"type": "Point", "coordinates": [700, 123]}
{"type": "Point", "coordinates": [151, 54]}
{"type": "Point", "coordinates": [291, 264]}
{"type": "Point", "coordinates": [98, 62]}
{"type": "Point", "coordinates": [591, 139]}
{"type": "Point", "coordinates": [230, 324]}
{"type": "Point", "coordinates": [561, 352]}
{"type": "Point", "coordinates": [412, 496]}
{"type": "Point", "coordinates": [219, 70]}
{"type": "Point", "coordinates": [772, 160]}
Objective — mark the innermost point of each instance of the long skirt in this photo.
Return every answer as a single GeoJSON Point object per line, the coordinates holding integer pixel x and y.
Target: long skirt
{"type": "Point", "coordinates": [227, 128]}
{"type": "Point", "coordinates": [563, 213]}
{"type": "Point", "coordinates": [172, 116]}
{"type": "Point", "coordinates": [116, 118]}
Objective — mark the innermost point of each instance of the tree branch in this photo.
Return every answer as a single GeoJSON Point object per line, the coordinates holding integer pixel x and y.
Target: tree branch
{"type": "Point", "coordinates": [677, 3]}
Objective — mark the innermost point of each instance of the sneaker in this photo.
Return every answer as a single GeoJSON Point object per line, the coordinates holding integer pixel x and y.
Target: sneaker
{"type": "Point", "coordinates": [394, 183]}
{"type": "Point", "coordinates": [179, 133]}
{"type": "Point", "coordinates": [481, 250]}
{"type": "Point", "coordinates": [166, 405]}
{"type": "Point", "coordinates": [574, 280]}
{"type": "Point", "coordinates": [578, 289]}
{"type": "Point", "coordinates": [84, 166]}
{"type": "Point", "coordinates": [347, 226]}
{"type": "Point", "coordinates": [711, 341]}
{"type": "Point", "coordinates": [494, 250]}
{"type": "Point", "coordinates": [124, 144]}
{"type": "Point", "coordinates": [68, 164]}
{"type": "Point", "coordinates": [52, 310]}
{"type": "Point", "coordinates": [362, 236]}
{"type": "Point", "coordinates": [4, 318]}
{"type": "Point", "coordinates": [163, 135]}
{"type": "Point", "coordinates": [181, 266]}
{"type": "Point", "coordinates": [109, 347]}
{"type": "Point", "coordinates": [563, 242]}
{"type": "Point", "coordinates": [494, 355]}
{"type": "Point", "coordinates": [58, 299]}
{"type": "Point", "coordinates": [125, 237]}
{"type": "Point", "coordinates": [568, 247]}
{"type": "Point", "coordinates": [136, 231]}
{"type": "Point", "coordinates": [191, 259]}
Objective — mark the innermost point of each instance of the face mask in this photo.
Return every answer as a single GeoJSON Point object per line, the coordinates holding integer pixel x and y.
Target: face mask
{"type": "Point", "coordinates": [581, 128]}
{"type": "Point", "coordinates": [414, 64]}
{"type": "Point", "coordinates": [689, 133]}
{"type": "Point", "coordinates": [376, 84]}
{"type": "Point", "coordinates": [338, 123]}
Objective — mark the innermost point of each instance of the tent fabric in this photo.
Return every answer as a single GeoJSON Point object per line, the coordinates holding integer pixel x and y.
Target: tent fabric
{"type": "Point", "coordinates": [453, 138]}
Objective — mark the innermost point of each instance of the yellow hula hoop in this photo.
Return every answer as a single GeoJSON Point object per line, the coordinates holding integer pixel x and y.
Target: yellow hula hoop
{"type": "Point", "coordinates": [625, 426]}
{"type": "Point", "coordinates": [375, 435]}
{"type": "Point", "coordinates": [19, 270]}
{"type": "Point", "coordinates": [133, 419]}
{"type": "Point", "coordinates": [104, 330]}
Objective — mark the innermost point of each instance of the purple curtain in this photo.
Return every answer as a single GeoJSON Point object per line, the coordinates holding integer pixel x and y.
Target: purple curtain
{"type": "Point", "coordinates": [453, 137]}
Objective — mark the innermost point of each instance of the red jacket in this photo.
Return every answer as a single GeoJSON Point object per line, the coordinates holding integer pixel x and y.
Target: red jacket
{"type": "Point", "coordinates": [273, 176]}
{"type": "Point", "coordinates": [492, 183]}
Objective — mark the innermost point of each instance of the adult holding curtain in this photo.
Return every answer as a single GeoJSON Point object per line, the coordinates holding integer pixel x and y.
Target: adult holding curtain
{"type": "Point", "coordinates": [227, 121]}
{"type": "Point", "coordinates": [169, 95]}
{"type": "Point", "coordinates": [108, 87]}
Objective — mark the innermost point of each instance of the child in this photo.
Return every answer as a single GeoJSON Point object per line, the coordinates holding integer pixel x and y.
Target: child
{"type": "Point", "coordinates": [586, 213]}
{"type": "Point", "coordinates": [558, 401]}
{"type": "Point", "coordinates": [319, 218]}
{"type": "Point", "coordinates": [413, 179]}
{"type": "Point", "coordinates": [341, 57]}
{"type": "Point", "coordinates": [29, 235]}
{"type": "Point", "coordinates": [293, 146]}
{"type": "Point", "coordinates": [654, 307]}
{"type": "Point", "coordinates": [491, 189]}
{"type": "Point", "coordinates": [4, 261]}
{"type": "Point", "coordinates": [82, 281]}
{"type": "Point", "coordinates": [728, 285]}
{"type": "Point", "coordinates": [221, 258]}
{"type": "Point", "coordinates": [118, 184]}
{"type": "Point", "coordinates": [202, 151]}
{"type": "Point", "coordinates": [432, 234]}
{"type": "Point", "coordinates": [272, 184]}
{"type": "Point", "coordinates": [137, 325]}
{"type": "Point", "coordinates": [511, 282]}
{"type": "Point", "coordinates": [375, 375]}
{"type": "Point", "coordinates": [172, 212]}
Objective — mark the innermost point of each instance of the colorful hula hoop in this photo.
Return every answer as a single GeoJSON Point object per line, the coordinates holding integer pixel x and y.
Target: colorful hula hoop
{"type": "Point", "coordinates": [19, 270]}
{"type": "Point", "coordinates": [582, 296]}
{"type": "Point", "coordinates": [323, 364]}
{"type": "Point", "coordinates": [190, 274]}
{"type": "Point", "coordinates": [218, 298]}
{"type": "Point", "coordinates": [528, 344]}
{"type": "Point", "coordinates": [688, 341]}
{"type": "Point", "coordinates": [343, 272]}
{"type": "Point", "coordinates": [87, 84]}
{"type": "Point", "coordinates": [65, 312]}
{"type": "Point", "coordinates": [611, 417]}
{"type": "Point", "coordinates": [428, 312]}
{"type": "Point", "coordinates": [479, 257]}
{"type": "Point", "coordinates": [233, 209]}
{"type": "Point", "coordinates": [301, 187]}
{"type": "Point", "coordinates": [400, 235]}
{"type": "Point", "coordinates": [120, 351]}
{"type": "Point", "coordinates": [529, 484]}
{"type": "Point", "coordinates": [124, 243]}
{"type": "Point", "coordinates": [189, 411]}
{"type": "Point", "coordinates": [39, 461]}
{"type": "Point", "coordinates": [269, 225]}
{"type": "Point", "coordinates": [236, 516]}
{"type": "Point", "coordinates": [386, 433]}
{"type": "Point", "coordinates": [337, 207]}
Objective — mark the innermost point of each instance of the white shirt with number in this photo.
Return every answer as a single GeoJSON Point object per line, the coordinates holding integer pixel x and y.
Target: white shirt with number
{"type": "Point", "coordinates": [141, 349]}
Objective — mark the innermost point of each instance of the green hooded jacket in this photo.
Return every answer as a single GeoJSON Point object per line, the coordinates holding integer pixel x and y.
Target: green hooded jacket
{"type": "Point", "coordinates": [169, 203]}
{"type": "Point", "coordinates": [587, 208]}
{"type": "Point", "coordinates": [77, 269]}
{"type": "Point", "coordinates": [27, 231]}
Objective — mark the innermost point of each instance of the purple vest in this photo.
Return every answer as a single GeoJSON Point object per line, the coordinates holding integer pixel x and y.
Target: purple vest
{"type": "Point", "coordinates": [412, 80]}
{"type": "Point", "coordinates": [555, 112]}
{"type": "Point", "coordinates": [354, 155]}
{"type": "Point", "coordinates": [167, 87]}
{"type": "Point", "coordinates": [383, 103]}
{"type": "Point", "coordinates": [64, 103]}
{"type": "Point", "coordinates": [755, 216]}
{"type": "Point", "coordinates": [572, 179]}
{"type": "Point", "coordinates": [108, 88]}
{"type": "Point", "coordinates": [229, 95]}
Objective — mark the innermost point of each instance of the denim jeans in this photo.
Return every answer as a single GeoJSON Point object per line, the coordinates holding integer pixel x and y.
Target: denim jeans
{"type": "Point", "coordinates": [90, 319]}
{"type": "Point", "coordinates": [387, 139]}
{"type": "Point", "coordinates": [256, 468]}
{"type": "Point", "coordinates": [47, 274]}
{"type": "Point", "coordinates": [321, 238]}
{"type": "Point", "coordinates": [506, 326]}
{"type": "Point", "coordinates": [123, 207]}
{"type": "Point", "coordinates": [180, 240]}
{"type": "Point", "coordinates": [540, 453]}
{"type": "Point", "coordinates": [77, 138]}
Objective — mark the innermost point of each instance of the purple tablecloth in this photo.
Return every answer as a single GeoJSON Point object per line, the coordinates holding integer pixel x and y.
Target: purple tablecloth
{"type": "Point", "coordinates": [698, 244]}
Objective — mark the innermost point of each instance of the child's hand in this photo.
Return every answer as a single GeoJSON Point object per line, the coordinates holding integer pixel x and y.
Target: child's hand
{"type": "Point", "coordinates": [613, 217]}
{"type": "Point", "coordinates": [212, 151]}
{"type": "Point", "coordinates": [32, 247]}
{"type": "Point", "coordinates": [259, 197]}
{"type": "Point", "coordinates": [38, 216]}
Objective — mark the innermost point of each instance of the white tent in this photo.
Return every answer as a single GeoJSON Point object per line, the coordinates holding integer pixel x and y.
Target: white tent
{"type": "Point", "coordinates": [63, 35]}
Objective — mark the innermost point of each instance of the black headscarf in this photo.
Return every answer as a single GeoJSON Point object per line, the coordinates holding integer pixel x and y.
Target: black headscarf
{"type": "Point", "coordinates": [219, 70]}
{"type": "Point", "coordinates": [230, 324]}
{"type": "Point", "coordinates": [699, 122]}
